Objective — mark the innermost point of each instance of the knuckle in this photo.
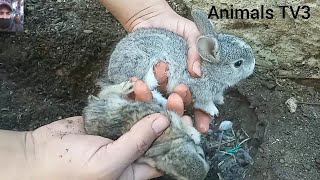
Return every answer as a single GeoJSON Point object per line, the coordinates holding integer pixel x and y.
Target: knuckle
{"type": "Point", "coordinates": [142, 146]}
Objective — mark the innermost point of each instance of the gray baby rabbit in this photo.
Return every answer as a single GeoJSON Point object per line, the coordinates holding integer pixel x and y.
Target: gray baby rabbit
{"type": "Point", "coordinates": [226, 60]}
{"type": "Point", "coordinates": [176, 152]}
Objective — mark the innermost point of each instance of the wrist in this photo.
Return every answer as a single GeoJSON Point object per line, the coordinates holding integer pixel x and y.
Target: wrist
{"type": "Point", "coordinates": [139, 13]}
{"type": "Point", "coordinates": [14, 156]}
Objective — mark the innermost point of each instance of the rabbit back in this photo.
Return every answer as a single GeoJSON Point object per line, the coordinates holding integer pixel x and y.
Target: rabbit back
{"type": "Point", "coordinates": [138, 52]}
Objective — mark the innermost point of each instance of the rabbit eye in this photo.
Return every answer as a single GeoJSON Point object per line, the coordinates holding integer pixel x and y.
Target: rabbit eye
{"type": "Point", "coordinates": [238, 64]}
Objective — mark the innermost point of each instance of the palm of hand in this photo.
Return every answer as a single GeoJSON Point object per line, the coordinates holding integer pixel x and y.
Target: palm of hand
{"type": "Point", "coordinates": [62, 150]}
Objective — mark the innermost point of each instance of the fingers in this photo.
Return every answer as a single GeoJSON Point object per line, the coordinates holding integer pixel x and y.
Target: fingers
{"type": "Point", "coordinates": [194, 60]}
{"type": "Point", "coordinates": [175, 103]}
{"type": "Point", "coordinates": [160, 72]}
{"type": "Point", "coordinates": [141, 91]}
{"type": "Point", "coordinates": [184, 92]}
{"type": "Point", "coordinates": [134, 143]}
{"type": "Point", "coordinates": [187, 120]}
{"type": "Point", "coordinates": [141, 172]}
{"type": "Point", "coordinates": [202, 121]}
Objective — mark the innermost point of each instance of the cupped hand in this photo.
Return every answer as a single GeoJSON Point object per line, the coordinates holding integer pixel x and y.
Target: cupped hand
{"type": "Point", "coordinates": [63, 150]}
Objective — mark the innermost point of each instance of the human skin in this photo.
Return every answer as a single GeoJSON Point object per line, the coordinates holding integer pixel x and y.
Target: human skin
{"type": "Point", "coordinates": [5, 13]}
{"type": "Point", "coordinates": [63, 150]}
{"type": "Point", "coordinates": [157, 13]}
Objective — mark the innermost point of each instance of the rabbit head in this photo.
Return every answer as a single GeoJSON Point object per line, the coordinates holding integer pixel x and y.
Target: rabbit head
{"type": "Point", "coordinates": [223, 53]}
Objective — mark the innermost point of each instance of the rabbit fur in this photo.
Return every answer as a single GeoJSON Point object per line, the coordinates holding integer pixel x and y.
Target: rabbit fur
{"type": "Point", "coordinates": [226, 59]}
{"type": "Point", "coordinates": [177, 152]}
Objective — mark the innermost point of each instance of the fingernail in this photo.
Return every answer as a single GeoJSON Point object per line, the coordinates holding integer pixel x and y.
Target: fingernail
{"type": "Point", "coordinates": [203, 129]}
{"type": "Point", "coordinates": [160, 124]}
{"type": "Point", "coordinates": [197, 68]}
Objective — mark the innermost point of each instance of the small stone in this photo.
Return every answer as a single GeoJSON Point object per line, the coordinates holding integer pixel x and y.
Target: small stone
{"type": "Point", "coordinates": [282, 161]}
{"type": "Point", "coordinates": [264, 174]}
{"type": "Point", "coordinates": [88, 31]}
{"type": "Point", "coordinates": [59, 117]}
{"type": "Point", "coordinates": [225, 125]}
{"type": "Point", "coordinates": [268, 77]}
{"type": "Point", "coordinates": [285, 65]}
{"type": "Point", "coordinates": [307, 166]}
{"type": "Point", "coordinates": [292, 104]}
{"type": "Point", "coordinates": [284, 73]}
{"type": "Point", "coordinates": [260, 150]}
{"type": "Point", "coordinates": [317, 161]}
{"type": "Point", "coordinates": [103, 44]}
{"type": "Point", "coordinates": [269, 85]}
{"type": "Point", "coordinates": [59, 72]}
{"type": "Point", "coordinates": [315, 76]}
{"type": "Point", "coordinates": [313, 62]}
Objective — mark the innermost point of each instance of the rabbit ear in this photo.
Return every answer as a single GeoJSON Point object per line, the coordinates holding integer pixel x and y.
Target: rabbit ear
{"type": "Point", "coordinates": [204, 24]}
{"type": "Point", "coordinates": [208, 48]}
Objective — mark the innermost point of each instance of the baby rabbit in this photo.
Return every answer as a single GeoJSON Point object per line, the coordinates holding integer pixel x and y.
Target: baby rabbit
{"type": "Point", "coordinates": [176, 152]}
{"type": "Point", "coordinates": [226, 60]}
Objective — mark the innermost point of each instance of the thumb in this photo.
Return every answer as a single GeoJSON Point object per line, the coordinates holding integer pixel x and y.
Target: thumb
{"type": "Point", "coordinates": [134, 143]}
{"type": "Point", "coordinates": [194, 59]}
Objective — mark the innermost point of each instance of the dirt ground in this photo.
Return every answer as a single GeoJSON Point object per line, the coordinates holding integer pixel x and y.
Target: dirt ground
{"type": "Point", "coordinates": [47, 73]}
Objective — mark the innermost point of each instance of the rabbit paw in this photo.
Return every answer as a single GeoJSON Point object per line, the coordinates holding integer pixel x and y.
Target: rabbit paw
{"type": "Point", "coordinates": [219, 99]}
{"type": "Point", "coordinates": [213, 110]}
{"type": "Point", "coordinates": [123, 88]}
{"type": "Point", "coordinates": [210, 108]}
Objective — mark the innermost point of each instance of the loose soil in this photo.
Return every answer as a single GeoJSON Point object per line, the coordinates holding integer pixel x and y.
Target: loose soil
{"type": "Point", "coordinates": [47, 72]}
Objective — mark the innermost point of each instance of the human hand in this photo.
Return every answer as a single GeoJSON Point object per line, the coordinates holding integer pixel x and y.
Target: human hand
{"type": "Point", "coordinates": [177, 100]}
{"type": "Point", "coordinates": [157, 13]}
{"type": "Point", "coordinates": [63, 150]}
{"type": "Point", "coordinates": [181, 96]}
